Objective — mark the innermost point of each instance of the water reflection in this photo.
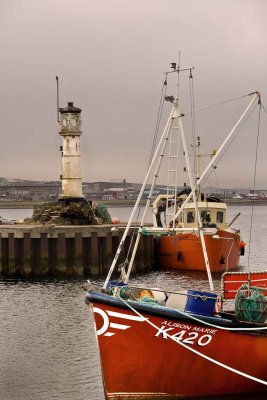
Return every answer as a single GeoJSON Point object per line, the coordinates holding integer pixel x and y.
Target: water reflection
{"type": "Point", "coordinates": [47, 341]}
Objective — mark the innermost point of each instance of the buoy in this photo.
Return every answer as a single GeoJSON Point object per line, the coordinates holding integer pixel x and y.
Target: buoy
{"type": "Point", "coordinates": [242, 247]}
{"type": "Point", "coordinates": [115, 220]}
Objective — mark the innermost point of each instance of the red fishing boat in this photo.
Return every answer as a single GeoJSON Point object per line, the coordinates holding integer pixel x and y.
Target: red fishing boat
{"type": "Point", "coordinates": [183, 250]}
{"type": "Point", "coordinates": [160, 351]}
{"type": "Point", "coordinates": [162, 344]}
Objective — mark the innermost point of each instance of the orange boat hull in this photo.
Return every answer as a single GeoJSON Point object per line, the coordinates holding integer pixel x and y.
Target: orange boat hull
{"type": "Point", "coordinates": [184, 251]}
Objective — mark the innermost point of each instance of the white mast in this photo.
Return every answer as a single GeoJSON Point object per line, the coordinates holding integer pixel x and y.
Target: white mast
{"type": "Point", "coordinates": [164, 136]}
{"type": "Point", "coordinates": [218, 154]}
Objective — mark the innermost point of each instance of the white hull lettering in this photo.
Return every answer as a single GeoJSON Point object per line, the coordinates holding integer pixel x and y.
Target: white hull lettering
{"type": "Point", "coordinates": [185, 336]}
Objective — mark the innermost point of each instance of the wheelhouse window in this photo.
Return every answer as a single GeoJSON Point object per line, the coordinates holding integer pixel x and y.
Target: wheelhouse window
{"type": "Point", "coordinates": [205, 216]}
{"type": "Point", "coordinates": [219, 217]}
{"type": "Point", "coordinates": [190, 216]}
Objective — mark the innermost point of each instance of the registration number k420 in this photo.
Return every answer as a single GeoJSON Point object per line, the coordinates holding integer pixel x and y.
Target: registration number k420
{"type": "Point", "coordinates": [189, 338]}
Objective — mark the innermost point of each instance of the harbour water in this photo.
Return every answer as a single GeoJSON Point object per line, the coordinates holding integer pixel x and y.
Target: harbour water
{"type": "Point", "coordinates": [47, 342]}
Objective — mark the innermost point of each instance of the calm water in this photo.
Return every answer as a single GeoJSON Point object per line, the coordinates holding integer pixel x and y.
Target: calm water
{"type": "Point", "coordinates": [47, 342]}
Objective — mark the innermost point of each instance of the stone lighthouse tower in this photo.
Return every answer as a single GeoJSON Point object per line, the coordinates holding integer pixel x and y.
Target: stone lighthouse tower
{"type": "Point", "coordinates": [72, 207]}
{"type": "Point", "coordinates": [70, 121]}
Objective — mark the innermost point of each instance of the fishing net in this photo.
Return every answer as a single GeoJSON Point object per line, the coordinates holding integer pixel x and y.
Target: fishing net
{"type": "Point", "coordinates": [250, 304]}
{"type": "Point", "coordinates": [149, 300]}
{"type": "Point", "coordinates": [101, 212]}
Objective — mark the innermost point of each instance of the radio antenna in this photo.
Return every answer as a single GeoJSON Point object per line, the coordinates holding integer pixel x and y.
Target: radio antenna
{"type": "Point", "coordinates": [58, 120]}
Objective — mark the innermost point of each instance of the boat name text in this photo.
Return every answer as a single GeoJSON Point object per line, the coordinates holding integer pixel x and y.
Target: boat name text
{"type": "Point", "coordinates": [188, 327]}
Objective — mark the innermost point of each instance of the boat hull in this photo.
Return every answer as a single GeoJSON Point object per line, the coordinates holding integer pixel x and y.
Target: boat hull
{"type": "Point", "coordinates": [153, 353]}
{"type": "Point", "coordinates": [184, 251]}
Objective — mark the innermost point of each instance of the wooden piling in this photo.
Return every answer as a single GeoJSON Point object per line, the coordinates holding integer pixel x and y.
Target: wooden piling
{"type": "Point", "coordinates": [27, 262]}
{"type": "Point", "coordinates": [11, 255]}
{"type": "Point", "coordinates": [44, 254]}
{"type": "Point", "coordinates": [41, 251]}
{"type": "Point", "coordinates": [78, 260]}
{"type": "Point", "coordinates": [95, 268]}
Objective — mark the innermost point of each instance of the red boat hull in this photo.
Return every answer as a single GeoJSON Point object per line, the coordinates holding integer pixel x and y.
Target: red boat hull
{"type": "Point", "coordinates": [155, 358]}
{"type": "Point", "coordinates": [184, 251]}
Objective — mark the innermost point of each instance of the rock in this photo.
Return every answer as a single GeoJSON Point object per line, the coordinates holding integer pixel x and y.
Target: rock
{"type": "Point", "coordinates": [69, 213]}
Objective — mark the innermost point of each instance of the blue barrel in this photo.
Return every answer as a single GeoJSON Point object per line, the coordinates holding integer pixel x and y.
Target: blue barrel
{"type": "Point", "coordinates": [202, 303]}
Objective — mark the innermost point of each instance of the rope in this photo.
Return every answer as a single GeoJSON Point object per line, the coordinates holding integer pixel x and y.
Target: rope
{"type": "Point", "coordinates": [195, 351]}
{"type": "Point", "coordinates": [262, 328]}
{"type": "Point", "coordinates": [224, 328]}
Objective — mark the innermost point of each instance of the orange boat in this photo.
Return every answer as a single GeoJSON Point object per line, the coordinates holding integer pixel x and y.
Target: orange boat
{"type": "Point", "coordinates": [183, 249]}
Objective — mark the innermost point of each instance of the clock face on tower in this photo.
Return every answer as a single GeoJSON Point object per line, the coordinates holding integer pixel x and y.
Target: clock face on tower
{"type": "Point", "coordinates": [70, 122]}
{"type": "Point", "coordinates": [73, 121]}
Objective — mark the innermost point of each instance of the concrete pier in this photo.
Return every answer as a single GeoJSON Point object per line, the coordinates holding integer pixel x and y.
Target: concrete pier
{"type": "Point", "coordinates": [42, 251]}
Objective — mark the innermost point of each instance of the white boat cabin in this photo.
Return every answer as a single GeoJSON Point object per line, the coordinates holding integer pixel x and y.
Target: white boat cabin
{"type": "Point", "coordinates": [212, 213]}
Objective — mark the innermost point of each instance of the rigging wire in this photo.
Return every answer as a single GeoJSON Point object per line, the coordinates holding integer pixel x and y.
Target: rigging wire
{"type": "Point", "coordinates": [160, 110]}
{"type": "Point", "coordinates": [158, 121]}
{"type": "Point", "coordinates": [254, 180]}
{"type": "Point", "coordinates": [264, 108]}
{"type": "Point", "coordinates": [215, 177]}
{"type": "Point", "coordinates": [218, 104]}
{"type": "Point", "coordinates": [230, 143]}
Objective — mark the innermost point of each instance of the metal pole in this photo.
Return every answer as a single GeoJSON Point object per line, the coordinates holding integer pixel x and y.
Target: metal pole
{"type": "Point", "coordinates": [205, 254]}
{"type": "Point", "coordinates": [58, 120]}
{"type": "Point", "coordinates": [172, 115]}
{"type": "Point", "coordinates": [149, 198]}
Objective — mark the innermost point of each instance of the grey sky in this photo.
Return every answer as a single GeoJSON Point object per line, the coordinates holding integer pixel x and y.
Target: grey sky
{"type": "Point", "coordinates": [110, 56]}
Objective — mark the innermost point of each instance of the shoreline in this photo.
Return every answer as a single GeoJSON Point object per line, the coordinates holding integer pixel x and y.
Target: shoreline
{"type": "Point", "coordinates": [10, 204]}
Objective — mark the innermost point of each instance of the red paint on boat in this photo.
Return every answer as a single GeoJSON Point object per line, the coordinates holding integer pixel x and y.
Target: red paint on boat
{"type": "Point", "coordinates": [141, 361]}
{"type": "Point", "coordinates": [184, 251]}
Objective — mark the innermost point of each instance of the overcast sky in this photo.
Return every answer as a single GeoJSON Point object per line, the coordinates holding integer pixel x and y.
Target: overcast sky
{"type": "Point", "coordinates": [110, 56]}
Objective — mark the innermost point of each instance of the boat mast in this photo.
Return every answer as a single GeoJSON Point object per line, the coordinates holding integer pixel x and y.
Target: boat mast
{"type": "Point", "coordinates": [218, 154]}
{"type": "Point", "coordinates": [164, 136]}
{"type": "Point", "coordinates": [191, 180]}
{"type": "Point", "coordinates": [150, 196]}
{"type": "Point", "coordinates": [176, 113]}
{"type": "Point", "coordinates": [161, 146]}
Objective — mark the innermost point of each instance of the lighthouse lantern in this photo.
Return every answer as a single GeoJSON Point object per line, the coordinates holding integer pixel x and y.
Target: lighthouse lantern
{"type": "Point", "coordinates": [70, 119]}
